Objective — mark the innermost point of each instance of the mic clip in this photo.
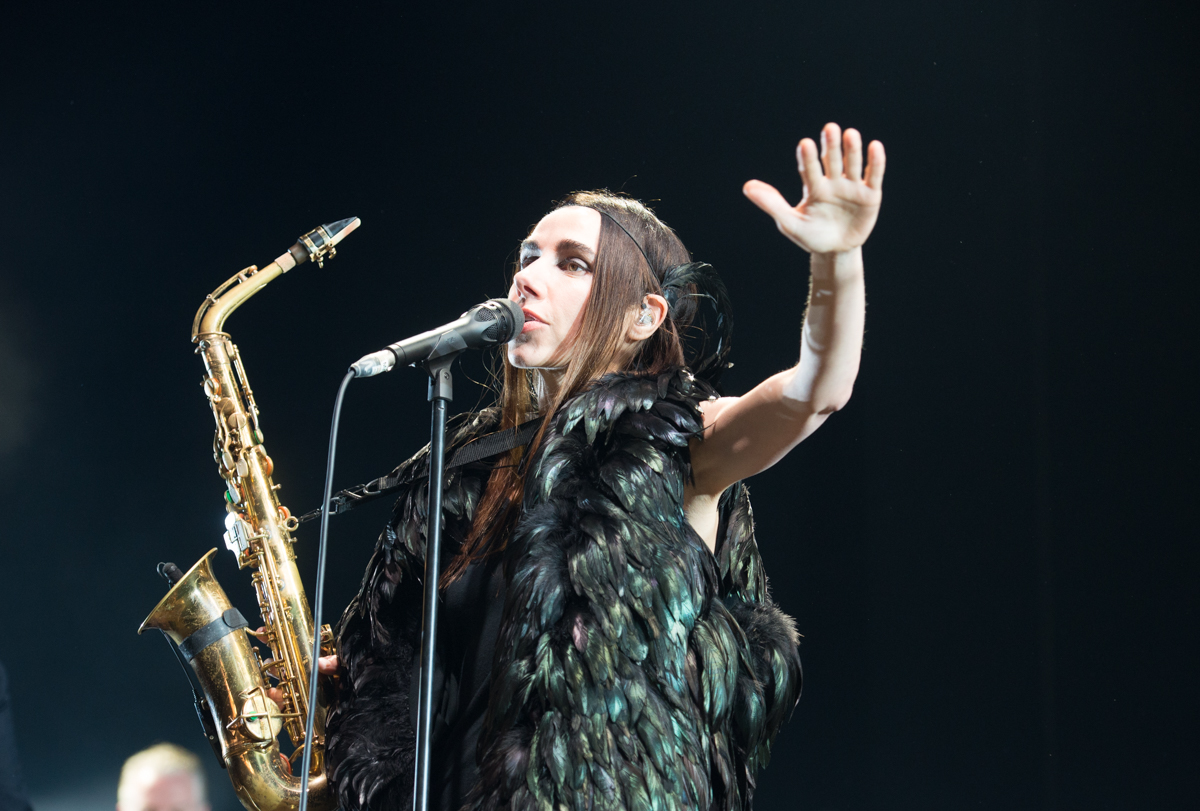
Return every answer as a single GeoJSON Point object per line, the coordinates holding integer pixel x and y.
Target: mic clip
{"type": "Point", "coordinates": [437, 366]}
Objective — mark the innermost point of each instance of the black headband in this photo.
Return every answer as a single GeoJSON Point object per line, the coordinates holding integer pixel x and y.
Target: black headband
{"type": "Point", "coordinates": [641, 250]}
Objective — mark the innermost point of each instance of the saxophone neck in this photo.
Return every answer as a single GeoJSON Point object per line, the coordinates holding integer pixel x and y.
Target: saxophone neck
{"type": "Point", "coordinates": [317, 246]}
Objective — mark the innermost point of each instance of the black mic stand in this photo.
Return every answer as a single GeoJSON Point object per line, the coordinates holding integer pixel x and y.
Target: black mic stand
{"type": "Point", "coordinates": [441, 391]}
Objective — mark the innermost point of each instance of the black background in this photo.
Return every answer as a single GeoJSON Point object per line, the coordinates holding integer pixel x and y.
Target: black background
{"type": "Point", "coordinates": [990, 552]}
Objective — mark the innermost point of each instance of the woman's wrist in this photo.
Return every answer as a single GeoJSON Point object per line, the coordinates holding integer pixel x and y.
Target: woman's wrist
{"type": "Point", "coordinates": [837, 266]}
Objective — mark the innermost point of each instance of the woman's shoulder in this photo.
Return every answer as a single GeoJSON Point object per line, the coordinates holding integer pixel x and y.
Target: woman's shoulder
{"type": "Point", "coordinates": [671, 397]}
{"type": "Point", "coordinates": [460, 429]}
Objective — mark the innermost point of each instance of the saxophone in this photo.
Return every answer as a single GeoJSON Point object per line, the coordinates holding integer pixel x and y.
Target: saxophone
{"type": "Point", "coordinates": [241, 720]}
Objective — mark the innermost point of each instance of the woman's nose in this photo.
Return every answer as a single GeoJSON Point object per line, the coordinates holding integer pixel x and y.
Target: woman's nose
{"type": "Point", "coordinates": [526, 283]}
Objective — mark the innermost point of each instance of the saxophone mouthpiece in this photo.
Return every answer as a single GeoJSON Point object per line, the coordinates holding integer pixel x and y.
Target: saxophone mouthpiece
{"type": "Point", "coordinates": [338, 230]}
{"type": "Point", "coordinates": [319, 244]}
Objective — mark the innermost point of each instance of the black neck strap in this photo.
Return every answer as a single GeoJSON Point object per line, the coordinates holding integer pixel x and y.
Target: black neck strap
{"type": "Point", "coordinates": [485, 447]}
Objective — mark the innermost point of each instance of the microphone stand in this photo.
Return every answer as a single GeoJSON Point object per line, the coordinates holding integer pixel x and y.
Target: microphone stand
{"type": "Point", "coordinates": [441, 391]}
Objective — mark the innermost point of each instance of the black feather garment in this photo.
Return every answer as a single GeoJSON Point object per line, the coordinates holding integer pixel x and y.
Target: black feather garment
{"type": "Point", "coordinates": [634, 669]}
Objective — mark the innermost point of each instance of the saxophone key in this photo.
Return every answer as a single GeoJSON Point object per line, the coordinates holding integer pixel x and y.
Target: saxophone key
{"type": "Point", "coordinates": [260, 717]}
{"type": "Point", "coordinates": [237, 534]}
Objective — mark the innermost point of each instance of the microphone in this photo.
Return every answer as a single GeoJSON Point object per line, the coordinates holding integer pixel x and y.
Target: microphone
{"type": "Point", "coordinates": [496, 321]}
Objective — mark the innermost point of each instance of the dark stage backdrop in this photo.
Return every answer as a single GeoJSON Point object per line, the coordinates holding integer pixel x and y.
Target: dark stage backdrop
{"type": "Point", "coordinates": [990, 552]}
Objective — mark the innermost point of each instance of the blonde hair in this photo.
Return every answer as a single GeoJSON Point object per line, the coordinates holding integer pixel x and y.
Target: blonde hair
{"type": "Point", "coordinates": [160, 760]}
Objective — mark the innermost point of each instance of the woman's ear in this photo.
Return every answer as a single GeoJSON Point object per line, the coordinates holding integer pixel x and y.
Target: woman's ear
{"type": "Point", "coordinates": [649, 317]}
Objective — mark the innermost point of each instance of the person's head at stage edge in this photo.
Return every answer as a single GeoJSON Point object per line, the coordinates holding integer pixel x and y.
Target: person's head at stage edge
{"type": "Point", "coordinates": [589, 276]}
{"type": "Point", "coordinates": [164, 777]}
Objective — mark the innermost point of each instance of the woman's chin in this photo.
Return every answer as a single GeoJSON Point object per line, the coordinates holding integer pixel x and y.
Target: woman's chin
{"type": "Point", "coordinates": [523, 360]}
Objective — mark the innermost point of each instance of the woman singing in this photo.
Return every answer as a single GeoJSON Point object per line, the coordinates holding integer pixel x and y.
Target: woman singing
{"type": "Point", "coordinates": [608, 640]}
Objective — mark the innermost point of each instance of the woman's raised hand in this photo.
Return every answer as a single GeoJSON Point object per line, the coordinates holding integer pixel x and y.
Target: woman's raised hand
{"type": "Point", "coordinates": [840, 204]}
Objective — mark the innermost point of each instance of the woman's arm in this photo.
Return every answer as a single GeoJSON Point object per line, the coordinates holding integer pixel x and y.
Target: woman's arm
{"type": "Point", "coordinates": [745, 435]}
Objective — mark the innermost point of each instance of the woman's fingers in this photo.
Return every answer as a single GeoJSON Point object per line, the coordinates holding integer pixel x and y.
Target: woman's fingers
{"type": "Point", "coordinates": [876, 162]}
{"type": "Point", "coordinates": [327, 665]}
{"type": "Point", "coordinates": [768, 198]}
{"type": "Point", "coordinates": [839, 158]}
{"type": "Point", "coordinates": [852, 141]}
{"type": "Point", "coordinates": [831, 150]}
{"type": "Point", "coordinates": [810, 165]}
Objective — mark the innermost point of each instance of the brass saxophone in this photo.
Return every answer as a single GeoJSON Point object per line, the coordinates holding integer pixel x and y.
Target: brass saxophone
{"type": "Point", "coordinates": [240, 718]}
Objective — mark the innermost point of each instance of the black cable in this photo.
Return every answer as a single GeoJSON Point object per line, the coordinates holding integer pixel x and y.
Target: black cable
{"type": "Point", "coordinates": [319, 595]}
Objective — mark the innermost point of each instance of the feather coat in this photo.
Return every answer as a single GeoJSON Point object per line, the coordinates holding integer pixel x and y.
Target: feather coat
{"type": "Point", "coordinates": [634, 669]}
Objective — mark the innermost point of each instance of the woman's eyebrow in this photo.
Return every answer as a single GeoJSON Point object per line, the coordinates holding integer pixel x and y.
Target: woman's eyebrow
{"type": "Point", "coordinates": [565, 245]}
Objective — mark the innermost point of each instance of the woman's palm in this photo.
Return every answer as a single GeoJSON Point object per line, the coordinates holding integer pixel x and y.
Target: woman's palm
{"type": "Point", "coordinates": [840, 206]}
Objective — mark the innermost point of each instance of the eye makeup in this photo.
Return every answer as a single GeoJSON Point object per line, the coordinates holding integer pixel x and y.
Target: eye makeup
{"type": "Point", "coordinates": [566, 248]}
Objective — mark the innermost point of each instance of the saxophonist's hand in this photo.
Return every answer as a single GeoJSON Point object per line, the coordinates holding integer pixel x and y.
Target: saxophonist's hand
{"type": "Point", "coordinates": [326, 666]}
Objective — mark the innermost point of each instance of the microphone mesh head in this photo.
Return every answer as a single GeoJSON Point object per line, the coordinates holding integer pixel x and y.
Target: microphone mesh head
{"type": "Point", "coordinates": [506, 318]}
{"type": "Point", "coordinates": [494, 332]}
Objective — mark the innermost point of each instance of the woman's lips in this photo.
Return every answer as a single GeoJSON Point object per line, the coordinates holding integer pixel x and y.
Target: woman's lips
{"type": "Point", "coordinates": [531, 321]}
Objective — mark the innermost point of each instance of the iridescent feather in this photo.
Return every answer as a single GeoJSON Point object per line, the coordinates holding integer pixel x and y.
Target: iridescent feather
{"type": "Point", "coordinates": [633, 671]}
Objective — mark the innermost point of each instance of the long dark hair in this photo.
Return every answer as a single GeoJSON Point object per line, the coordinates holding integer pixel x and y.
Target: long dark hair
{"type": "Point", "coordinates": [621, 278]}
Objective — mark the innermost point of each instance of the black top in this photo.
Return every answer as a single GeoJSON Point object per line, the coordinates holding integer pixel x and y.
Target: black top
{"type": "Point", "coordinates": [468, 625]}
